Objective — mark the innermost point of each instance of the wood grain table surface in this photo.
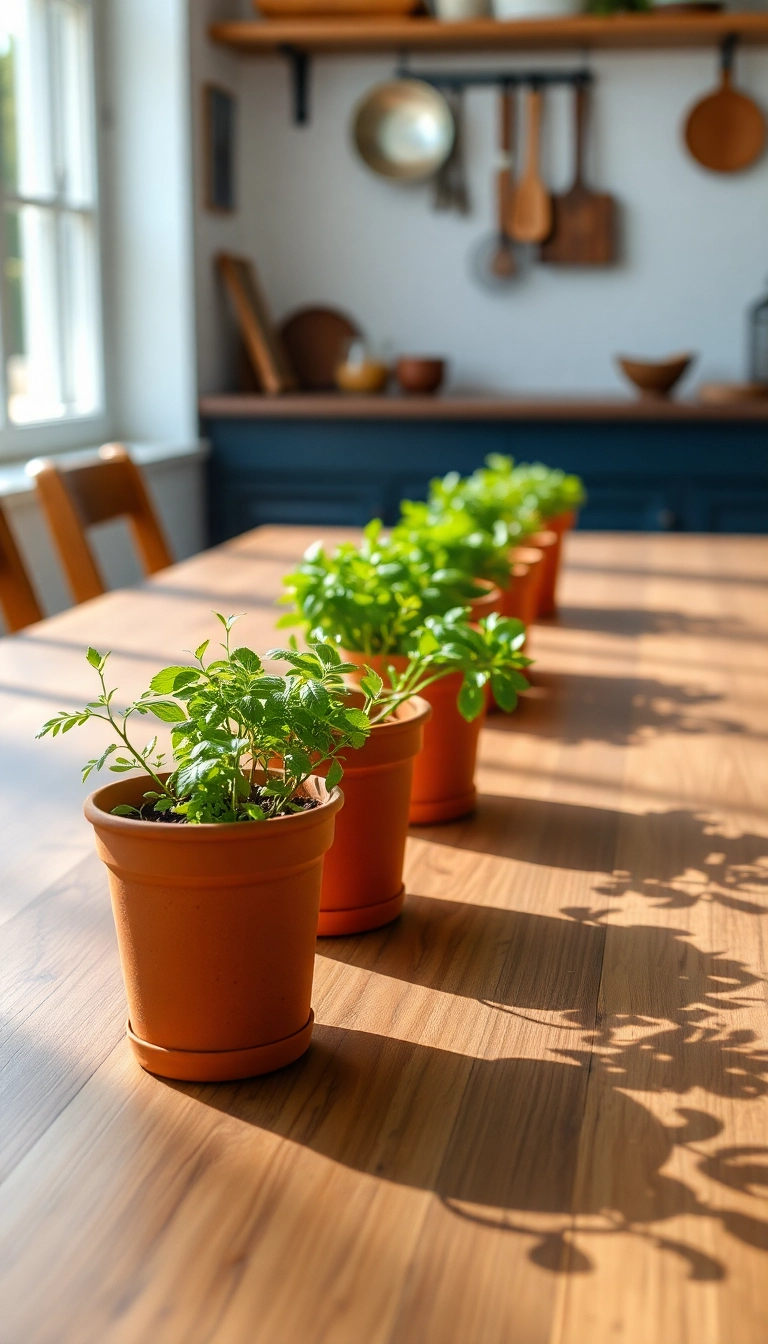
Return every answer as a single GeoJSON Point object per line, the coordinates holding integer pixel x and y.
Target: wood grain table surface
{"type": "Point", "coordinates": [535, 1109]}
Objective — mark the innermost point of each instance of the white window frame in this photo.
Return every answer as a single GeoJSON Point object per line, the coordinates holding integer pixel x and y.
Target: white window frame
{"type": "Point", "coordinates": [72, 430]}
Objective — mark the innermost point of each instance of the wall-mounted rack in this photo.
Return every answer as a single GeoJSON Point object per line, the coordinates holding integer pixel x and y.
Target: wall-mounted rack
{"type": "Point", "coordinates": [499, 79]}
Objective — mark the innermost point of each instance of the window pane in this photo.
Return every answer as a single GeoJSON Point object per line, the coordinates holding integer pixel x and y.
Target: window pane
{"type": "Point", "coordinates": [80, 327]}
{"type": "Point", "coordinates": [74, 115]}
{"type": "Point", "coordinates": [25, 108]}
{"type": "Point", "coordinates": [30, 291]}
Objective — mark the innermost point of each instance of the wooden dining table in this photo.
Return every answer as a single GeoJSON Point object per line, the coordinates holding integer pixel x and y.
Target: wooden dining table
{"type": "Point", "coordinates": [535, 1107]}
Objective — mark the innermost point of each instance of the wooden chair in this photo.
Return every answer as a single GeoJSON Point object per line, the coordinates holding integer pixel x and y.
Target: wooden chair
{"type": "Point", "coordinates": [75, 498]}
{"type": "Point", "coordinates": [18, 602]}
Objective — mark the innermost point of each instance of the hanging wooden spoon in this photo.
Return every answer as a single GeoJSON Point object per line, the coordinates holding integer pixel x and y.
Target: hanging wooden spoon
{"type": "Point", "coordinates": [726, 130]}
{"type": "Point", "coordinates": [532, 209]}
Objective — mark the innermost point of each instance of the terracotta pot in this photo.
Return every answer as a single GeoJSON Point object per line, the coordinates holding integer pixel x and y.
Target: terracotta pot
{"type": "Point", "coordinates": [216, 929]}
{"type": "Point", "coordinates": [559, 524]}
{"type": "Point", "coordinates": [549, 543]}
{"type": "Point", "coordinates": [444, 771]}
{"type": "Point", "coordinates": [363, 870]}
{"type": "Point", "coordinates": [492, 600]}
{"type": "Point", "coordinates": [443, 785]}
{"type": "Point", "coordinates": [522, 599]}
{"type": "Point", "coordinates": [562, 522]}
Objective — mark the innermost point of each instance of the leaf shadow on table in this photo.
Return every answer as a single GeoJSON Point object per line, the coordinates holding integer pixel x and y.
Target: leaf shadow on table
{"type": "Point", "coordinates": [675, 858]}
{"type": "Point", "coordinates": [527, 1146]}
{"type": "Point", "coordinates": [722, 577]}
{"type": "Point", "coordinates": [574, 707]}
{"type": "Point", "coordinates": [630, 622]}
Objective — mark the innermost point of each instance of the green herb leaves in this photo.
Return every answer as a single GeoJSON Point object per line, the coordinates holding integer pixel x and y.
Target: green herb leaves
{"type": "Point", "coordinates": [521, 497]}
{"type": "Point", "coordinates": [372, 597]}
{"type": "Point", "coordinates": [488, 653]}
{"type": "Point", "coordinates": [244, 740]}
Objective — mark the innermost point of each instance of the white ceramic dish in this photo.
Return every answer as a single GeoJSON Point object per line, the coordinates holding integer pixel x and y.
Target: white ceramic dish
{"type": "Point", "coordinates": [536, 9]}
{"type": "Point", "coordinates": [457, 11]}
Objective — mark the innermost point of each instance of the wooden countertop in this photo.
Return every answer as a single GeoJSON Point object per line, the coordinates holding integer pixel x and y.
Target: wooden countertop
{"type": "Point", "coordinates": [535, 1110]}
{"type": "Point", "coordinates": [334, 406]}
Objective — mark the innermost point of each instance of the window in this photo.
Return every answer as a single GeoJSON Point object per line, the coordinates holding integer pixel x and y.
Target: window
{"type": "Point", "coordinates": [50, 371]}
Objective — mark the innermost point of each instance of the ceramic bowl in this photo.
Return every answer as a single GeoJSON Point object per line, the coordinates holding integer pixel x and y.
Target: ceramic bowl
{"type": "Point", "coordinates": [655, 378]}
{"type": "Point", "coordinates": [418, 375]}
{"type": "Point", "coordinates": [536, 9]}
{"type": "Point", "coordinates": [367, 377]}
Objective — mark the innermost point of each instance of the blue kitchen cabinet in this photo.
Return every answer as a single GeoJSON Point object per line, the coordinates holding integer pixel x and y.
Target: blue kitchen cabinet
{"type": "Point", "coordinates": [641, 475]}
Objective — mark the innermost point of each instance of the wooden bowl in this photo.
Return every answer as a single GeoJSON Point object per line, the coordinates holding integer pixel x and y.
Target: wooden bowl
{"type": "Point", "coordinates": [366, 378]}
{"type": "Point", "coordinates": [420, 376]}
{"type": "Point", "coordinates": [655, 378]}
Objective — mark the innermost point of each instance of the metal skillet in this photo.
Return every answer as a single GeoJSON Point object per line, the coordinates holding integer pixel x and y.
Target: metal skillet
{"type": "Point", "coordinates": [404, 130]}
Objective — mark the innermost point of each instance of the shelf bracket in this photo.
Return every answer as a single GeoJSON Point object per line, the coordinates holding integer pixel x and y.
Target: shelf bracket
{"type": "Point", "coordinates": [299, 71]}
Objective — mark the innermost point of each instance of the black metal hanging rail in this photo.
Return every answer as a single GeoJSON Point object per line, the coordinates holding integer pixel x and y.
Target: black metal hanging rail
{"type": "Point", "coordinates": [503, 79]}
{"type": "Point", "coordinates": [442, 79]}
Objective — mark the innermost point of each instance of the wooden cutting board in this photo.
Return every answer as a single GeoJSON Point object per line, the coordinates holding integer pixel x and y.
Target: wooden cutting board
{"type": "Point", "coordinates": [584, 221]}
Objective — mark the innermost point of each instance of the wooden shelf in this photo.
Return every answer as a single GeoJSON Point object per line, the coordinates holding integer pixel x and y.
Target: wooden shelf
{"type": "Point", "coordinates": [620, 32]}
{"type": "Point", "coordinates": [331, 406]}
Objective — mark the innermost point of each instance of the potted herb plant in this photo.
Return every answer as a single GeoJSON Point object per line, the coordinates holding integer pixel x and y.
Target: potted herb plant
{"type": "Point", "coordinates": [215, 863]}
{"type": "Point", "coordinates": [456, 540]}
{"type": "Point", "coordinates": [420, 630]}
{"type": "Point", "coordinates": [558, 499]}
{"type": "Point", "coordinates": [531, 499]}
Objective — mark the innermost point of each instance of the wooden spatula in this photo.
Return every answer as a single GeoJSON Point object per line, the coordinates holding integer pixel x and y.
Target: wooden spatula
{"type": "Point", "coordinates": [584, 221]}
{"type": "Point", "coordinates": [726, 130]}
{"type": "Point", "coordinates": [531, 220]}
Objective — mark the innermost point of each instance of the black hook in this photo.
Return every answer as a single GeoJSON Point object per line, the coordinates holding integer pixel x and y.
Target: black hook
{"type": "Point", "coordinates": [299, 63]}
{"type": "Point", "coordinates": [727, 52]}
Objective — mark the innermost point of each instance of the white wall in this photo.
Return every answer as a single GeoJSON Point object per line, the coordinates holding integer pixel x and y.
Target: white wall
{"type": "Point", "coordinates": [147, 194]}
{"type": "Point", "coordinates": [323, 229]}
{"type": "Point", "coordinates": [216, 341]}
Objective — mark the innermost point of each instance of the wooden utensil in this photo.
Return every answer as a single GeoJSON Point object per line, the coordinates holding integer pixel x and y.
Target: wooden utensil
{"type": "Point", "coordinates": [531, 220]}
{"type": "Point", "coordinates": [726, 130]}
{"type": "Point", "coordinates": [503, 263]}
{"type": "Point", "coordinates": [584, 221]}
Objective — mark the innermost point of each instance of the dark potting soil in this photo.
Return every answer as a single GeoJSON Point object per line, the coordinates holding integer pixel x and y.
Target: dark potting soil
{"type": "Point", "coordinates": [148, 813]}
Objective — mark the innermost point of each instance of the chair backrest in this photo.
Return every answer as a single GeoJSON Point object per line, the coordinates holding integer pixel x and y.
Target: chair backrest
{"type": "Point", "coordinates": [74, 498]}
{"type": "Point", "coordinates": [18, 602]}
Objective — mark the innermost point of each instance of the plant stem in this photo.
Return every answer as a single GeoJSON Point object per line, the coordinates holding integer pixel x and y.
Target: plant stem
{"type": "Point", "coordinates": [124, 738]}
